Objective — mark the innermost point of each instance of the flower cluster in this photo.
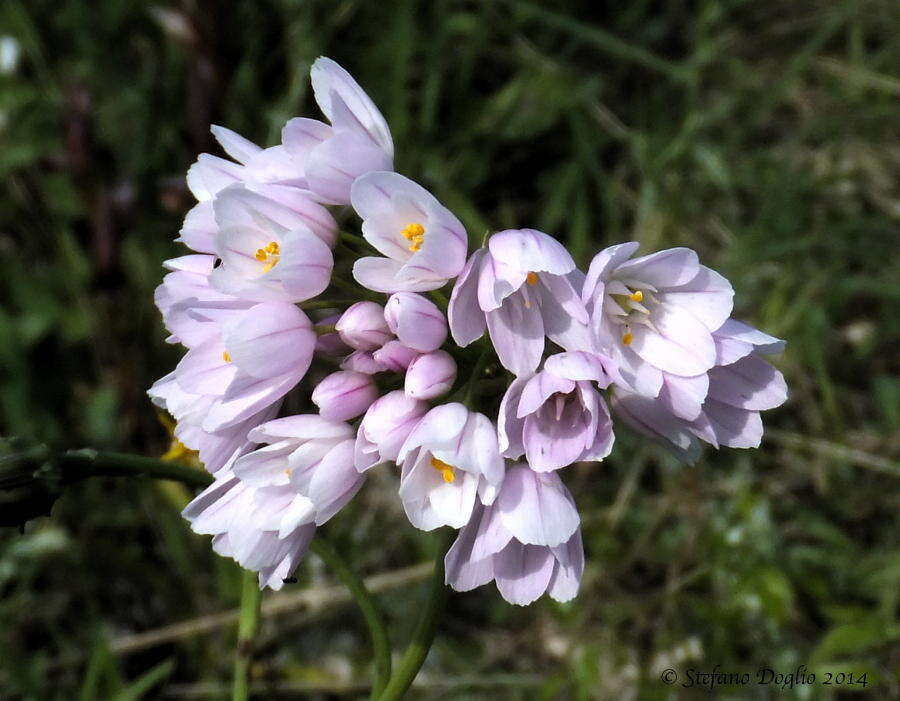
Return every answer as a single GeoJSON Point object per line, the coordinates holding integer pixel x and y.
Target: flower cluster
{"type": "Point", "coordinates": [388, 370]}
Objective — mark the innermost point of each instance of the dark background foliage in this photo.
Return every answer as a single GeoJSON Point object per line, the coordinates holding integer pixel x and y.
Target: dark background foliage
{"type": "Point", "coordinates": [764, 134]}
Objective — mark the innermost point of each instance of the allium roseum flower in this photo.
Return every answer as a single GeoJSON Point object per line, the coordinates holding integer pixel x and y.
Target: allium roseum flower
{"type": "Point", "coordinates": [267, 253]}
{"type": "Point", "coordinates": [424, 243]}
{"type": "Point", "coordinates": [651, 337]}
{"type": "Point", "coordinates": [449, 458]}
{"type": "Point", "coordinates": [557, 417]}
{"type": "Point", "coordinates": [430, 375]}
{"type": "Point", "coordinates": [739, 388]}
{"type": "Point", "coordinates": [358, 140]}
{"type": "Point", "coordinates": [520, 290]}
{"type": "Point", "coordinates": [655, 315]}
{"type": "Point", "coordinates": [385, 427]}
{"type": "Point", "coordinates": [527, 541]}
{"type": "Point", "coordinates": [416, 321]}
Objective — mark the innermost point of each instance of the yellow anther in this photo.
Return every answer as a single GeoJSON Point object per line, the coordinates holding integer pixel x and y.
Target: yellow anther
{"type": "Point", "coordinates": [288, 471]}
{"type": "Point", "coordinates": [637, 296]}
{"type": "Point", "coordinates": [270, 255]}
{"type": "Point", "coordinates": [226, 356]}
{"type": "Point", "coordinates": [415, 234]}
{"type": "Point", "coordinates": [628, 338]}
{"type": "Point", "coordinates": [531, 279]}
{"type": "Point", "coordinates": [446, 470]}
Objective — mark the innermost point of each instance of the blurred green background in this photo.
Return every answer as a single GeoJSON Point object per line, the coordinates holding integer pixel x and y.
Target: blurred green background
{"type": "Point", "coordinates": [764, 134]}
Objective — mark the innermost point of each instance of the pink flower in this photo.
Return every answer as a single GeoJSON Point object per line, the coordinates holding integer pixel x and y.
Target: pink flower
{"type": "Point", "coordinates": [520, 289]}
{"type": "Point", "coordinates": [449, 457]}
{"type": "Point", "coordinates": [363, 326]}
{"type": "Point", "coordinates": [528, 541]}
{"type": "Point", "coordinates": [739, 388]}
{"type": "Point", "coordinates": [264, 511]}
{"type": "Point", "coordinates": [384, 428]}
{"type": "Point", "coordinates": [267, 253]}
{"type": "Point", "coordinates": [344, 395]}
{"type": "Point", "coordinates": [430, 375]}
{"type": "Point", "coordinates": [655, 315]}
{"type": "Point", "coordinates": [357, 141]}
{"type": "Point", "coordinates": [557, 417]}
{"type": "Point", "coordinates": [424, 243]}
{"type": "Point", "coordinates": [268, 171]}
{"type": "Point", "coordinates": [416, 321]}
{"type": "Point", "coordinates": [395, 356]}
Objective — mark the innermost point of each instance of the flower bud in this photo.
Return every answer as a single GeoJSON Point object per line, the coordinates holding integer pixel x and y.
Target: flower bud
{"type": "Point", "coordinates": [394, 356]}
{"type": "Point", "coordinates": [387, 423]}
{"type": "Point", "coordinates": [344, 395]}
{"type": "Point", "coordinates": [362, 361]}
{"type": "Point", "coordinates": [363, 326]}
{"type": "Point", "coordinates": [430, 375]}
{"type": "Point", "coordinates": [416, 321]}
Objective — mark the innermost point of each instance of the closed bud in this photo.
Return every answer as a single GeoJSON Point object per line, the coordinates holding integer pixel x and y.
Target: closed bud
{"type": "Point", "coordinates": [430, 375]}
{"type": "Point", "coordinates": [363, 326]}
{"type": "Point", "coordinates": [344, 395]}
{"type": "Point", "coordinates": [395, 356]}
{"type": "Point", "coordinates": [416, 321]}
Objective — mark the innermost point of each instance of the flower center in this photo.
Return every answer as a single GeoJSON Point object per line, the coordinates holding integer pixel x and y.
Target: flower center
{"type": "Point", "coordinates": [632, 304]}
{"type": "Point", "coordinates": [532, 278]}
{"type": "Point", "coordinates": [269, 256]}
{"type": "Point", "coordinates": [226, 356]}
{"type": "Point", "coordinates": [447, 471]}
{"type": "Point", "coordinates": [415, 234]}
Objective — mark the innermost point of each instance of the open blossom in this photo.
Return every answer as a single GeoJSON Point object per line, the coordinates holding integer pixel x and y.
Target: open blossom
{"type": "Point", "coordinates": [331, 157]}
{"type": "Point", "coordinates": [449, 458]}
{"type": "Point", "coordinates": [246, 525]}
{"type": "Point", "coordinates": [527, 541]}
{"type": "Point", "coordinates": [740, 387]}
{"type": "Point", "coordinates": [655, 315]}
{"type": "Point", "coordinates": [266, 253]}
{"type": "Point", "coordinates": [519, 288]}
{"type": "Point", "coordinates": [270, 172]}
{"type": "Point", "coordinates": [424, 243]}
{"type": "Point", "coordinates": [264, 511]}
{"type": "Point", "coordinates": [557, 417]}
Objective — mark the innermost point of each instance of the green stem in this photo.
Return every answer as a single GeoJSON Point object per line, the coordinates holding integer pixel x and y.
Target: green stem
{"type": "Point", "coordinates": [439, 298]}
{"type": "Point", "coordinates": [325, 304]}
{"type": "Point", "coordinates": [423, 635]}
{"type": "Point", "coordinates": [474, 378]}
{"type": "Point", "coordinates": [355, 240]}
{"type": "Point", "coordinates": [381, 645]}
{"type": "Point", "coordinates": [87, 462]}
{"type": "Point", "coordinates": [323, 329]}
{"type": "Point", "coordinates": [248, 626]}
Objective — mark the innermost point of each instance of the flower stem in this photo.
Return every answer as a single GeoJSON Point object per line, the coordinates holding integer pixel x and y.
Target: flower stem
{"type": "Point", "coordinates": [248, 626]}
{"type": "Point", "coordinates": [423, 635]}
{"type": "Point", "coordinates": [347, 237]}
{"type": "Point", "coordinates": [87, 462]}
{"type": "Point", "coordinates": [381, 644]}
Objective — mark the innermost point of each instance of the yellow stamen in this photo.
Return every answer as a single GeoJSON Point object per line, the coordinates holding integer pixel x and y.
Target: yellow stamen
{"type": "Point", "coordinates": [628, 338]}
{"type": "Point", "coordinates": [270, 255]}
{"type": "Point", "coordinates": [415, 234]}
{"type": "Point", "coordinates": [531, 279]}
{"type": "Point", "coordinates": [288, 471]}
{"type": "Point", "coordinates": [226, 356]}
{"type": "Point", "coordinates": [446, 470]}
{"type": "Point", "coordinates": [637, 296]}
